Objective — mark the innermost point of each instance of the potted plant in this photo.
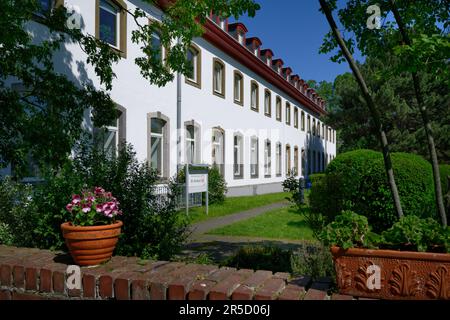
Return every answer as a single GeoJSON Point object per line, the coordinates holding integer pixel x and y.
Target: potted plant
{"type": "Point", "coordinates": [94, 230]}
{"type": "Point", "coordinates": [408, 261]}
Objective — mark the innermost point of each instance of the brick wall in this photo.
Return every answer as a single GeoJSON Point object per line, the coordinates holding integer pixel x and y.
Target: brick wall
{"type": "Point", "coordinates": [40, 274]}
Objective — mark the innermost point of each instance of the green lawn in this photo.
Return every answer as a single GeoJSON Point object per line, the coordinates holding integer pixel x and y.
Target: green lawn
{"type": "Point", "coordinates": [285, 223]}
{"type": "Point", "coordinates": [235, 205]}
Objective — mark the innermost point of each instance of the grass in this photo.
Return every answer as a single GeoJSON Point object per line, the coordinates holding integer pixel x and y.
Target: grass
{"type": "Point", "coordinates": [285, 223]}
{"type": "Point", "coordinates": [235, 205]}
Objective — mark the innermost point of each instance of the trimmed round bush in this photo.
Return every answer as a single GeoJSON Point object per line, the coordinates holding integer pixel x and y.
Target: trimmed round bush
{"type": "Point", "coordinates": [357, 181]}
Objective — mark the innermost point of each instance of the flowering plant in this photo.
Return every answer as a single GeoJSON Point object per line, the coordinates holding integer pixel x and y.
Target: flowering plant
{"type": "Point", "coordinates": [96, 207]}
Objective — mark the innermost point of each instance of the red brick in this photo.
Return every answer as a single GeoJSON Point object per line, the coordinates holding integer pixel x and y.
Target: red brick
{"type": "Point", "coordinates": [247, 289]}
{"type": "Point", "coordinates": [74, 293]}
{"type": "Point", "coordinates": [30, 278]}
{"type": "Point", "coordinates": [282, 275]}
{"type": "Point", "coordinates": [19, 277]}
{"type": "Point", "coordinates": [121, 289]}
{"type": "Point", "coordinates": [5, 295]}
{"type": "Point", "coordinates": [314, 294]}
{"type": "Point", "coordinates": [341, 297]}
{"type": "Point", "coordinates": [5, 275]}
{"type": "Point", "coordinates": [59, 280]}
{"type": "Point", "coordinates": [105, 285]}
{"type": "Point", "coordinates": [45, 280]}
{"type": "Point", "coordinates": [179, 288]}
{"type": "Point", "coordinates": [270, 289]}
{"type": "Point", "coordinates": [89, 285]}
{"type": "Point", "coordinates": [200, 289]}
{"type": "Point", "coordinates": [159, 280]}
{"type": "Point", "coordinates": [140, 290]}
{"type": "Point", "coordinates": [224, 289]}
{"type": "Point", "coordinates": [292, 292]}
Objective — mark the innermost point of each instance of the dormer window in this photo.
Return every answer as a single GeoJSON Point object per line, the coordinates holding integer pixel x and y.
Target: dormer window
{"type": "Point", "coordinates": [222, 23]}
{"type": "Point", "coordinates": [240, 38]}
{"type": "Point", "coordinates": [269, 61]}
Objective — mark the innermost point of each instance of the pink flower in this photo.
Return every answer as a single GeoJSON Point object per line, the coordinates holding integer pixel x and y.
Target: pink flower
{"type": "Point", "coordinates": [99, 208]}
{"type": "Point", "coordinates": [98, 190]}
{"type": "Point", "coordinates": [69, 207]}
{"type": "Point", "coordinates": [76, 199]}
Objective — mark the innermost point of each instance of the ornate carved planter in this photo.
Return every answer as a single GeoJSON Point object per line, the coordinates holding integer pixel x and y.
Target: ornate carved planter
{"type": "Point", "coordinates": [403, 275]}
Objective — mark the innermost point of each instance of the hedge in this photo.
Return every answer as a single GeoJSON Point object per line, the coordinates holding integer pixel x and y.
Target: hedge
{"type": "Point", "coordinates": [357, 181]}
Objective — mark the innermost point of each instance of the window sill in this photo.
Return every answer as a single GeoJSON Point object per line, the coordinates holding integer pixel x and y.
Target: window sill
{"type": "Point", "coordinates": [220, 95]}
{"type": "Point", "coordinates": [268, 176]}
{"type": "Point", "coordinates": [193, 83]}
{"type": "Point", "coordinates": [254, 177]}
{"type": "Point", "coordinates": [240, 103]}
{"type": "Point", "coordinates": [238, 177]}
{"type": "Point", "coordinates": [255, 109]}
{"type": "Point", "coordinates": [268, 115]}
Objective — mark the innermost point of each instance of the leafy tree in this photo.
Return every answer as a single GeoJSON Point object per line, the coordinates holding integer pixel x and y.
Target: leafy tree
{"type": "Point", "coordinates": [375, 113]}
{"type": "Point", "coordinates": [43, 119]}
{"type": "Point", "coordinates": [419, 37]}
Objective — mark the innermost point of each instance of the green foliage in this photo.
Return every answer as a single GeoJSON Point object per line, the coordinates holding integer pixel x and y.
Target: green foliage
{"type": "Point", "coordinates": [18, 214]}
{"type": "Point", "coordinates": [444, 170]}
{"type": "Point", "coordinates": [261, 258]}
{"type": "Point", "coordinates": [415, 234]}
{"type": "Point", "coordinates": [291, 185]}
{"type": "Point", "coordinates": [217, 186]}
{"type": "Point", "coordinates": [349, 230]}
{"type": "Point", "coordinates": [152, 226]}
{"type": "Point", "coordinates": [357, 181]}
{"type": "Point", "coordinates": [313, 260]}
{"type": "Point", "coordinates": [6, 236]}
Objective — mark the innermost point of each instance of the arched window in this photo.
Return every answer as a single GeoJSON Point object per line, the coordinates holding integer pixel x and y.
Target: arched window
{"type": "Point", "coordinates": [218, 78]}
{"type": "Point", "coordinates": [278, 108]}
{"type": "Point", "coordinates": [195, 59]}
{"type": "Point", "coordinates": [309, 124]}
{"type": "Point", "coordinates": [295, 117]}
{"type": "Point", "coordinates": [314, 127]}
{"type": "Point", "coordinates": [254, 96]}
{"type": "Point", "coordinates": [218, 150]}
{"type": "Point", "coordinates": [158, 143]}
{"type": "Point", "coordinates": [254, 157]}
{"type": "Point", "coordinates": [238, 156]}
{"type": "Point", "coordinates": [267, 103]}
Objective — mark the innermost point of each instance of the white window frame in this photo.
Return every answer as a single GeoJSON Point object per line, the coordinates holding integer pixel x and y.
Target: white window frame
{"type": "Point", "coordinates": [267, 158]}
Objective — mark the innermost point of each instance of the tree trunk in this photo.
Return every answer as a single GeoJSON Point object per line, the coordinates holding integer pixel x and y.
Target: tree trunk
{"type": "Point", "coordinates": [370, 103]}
{"type": "Point", "coordinates": [426, 122]}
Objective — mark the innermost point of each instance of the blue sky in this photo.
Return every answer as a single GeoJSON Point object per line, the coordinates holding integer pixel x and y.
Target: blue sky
{"type": "Point", "coordinates": [294, 30]}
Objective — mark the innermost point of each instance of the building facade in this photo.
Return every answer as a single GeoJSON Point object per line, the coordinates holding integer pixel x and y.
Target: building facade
{"type": "Point", "coordinates": [241, 109]}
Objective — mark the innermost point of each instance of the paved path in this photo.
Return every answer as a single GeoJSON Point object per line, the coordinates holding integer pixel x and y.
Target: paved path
{"type": "Point", "coordinates": [200, 228]}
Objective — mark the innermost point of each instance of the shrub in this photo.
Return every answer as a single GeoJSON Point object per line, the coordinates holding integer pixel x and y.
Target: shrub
{"type": "Point", "coordinates": [151, 228]}
{"type": "Point", "coordinates": [313, 260]}
{"type": "Point", "coordinates": [349, 230]}
{"type": "Point", "coordinates": [217, 186]}
{"type": "Point", "coordinates": [292, 186]}
{"type": "Point", "coordinates": [357, 181]}
{"type": "Point", "coordinates": [18, 216]}
{"type": "Point", "coordinates": [415, 234]}
{"type": "Point", "coordinates": [261, 258]}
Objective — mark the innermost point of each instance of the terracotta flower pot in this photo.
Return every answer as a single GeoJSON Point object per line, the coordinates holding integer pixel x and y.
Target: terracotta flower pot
{"type": "Point", "coordinates": [91, 245]}
{"type": "Point", "coordinates": [403, 275]}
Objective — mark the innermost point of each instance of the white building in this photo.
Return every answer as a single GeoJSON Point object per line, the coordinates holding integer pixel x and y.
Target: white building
{"type": "Point", "coordinates": [242, 110]}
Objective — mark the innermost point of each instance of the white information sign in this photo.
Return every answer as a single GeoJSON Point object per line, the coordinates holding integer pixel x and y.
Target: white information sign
{"type": "Point", "coordinates": [198, 183]}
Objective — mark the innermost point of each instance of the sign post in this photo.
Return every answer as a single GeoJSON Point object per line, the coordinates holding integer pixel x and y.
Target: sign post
{"type": "Point", "coordinates": [197, 182]}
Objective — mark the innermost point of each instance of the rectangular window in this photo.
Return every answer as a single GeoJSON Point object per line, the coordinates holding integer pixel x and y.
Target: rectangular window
{"type": "Point", "coordinates": [278, 108]}
{"type": "Point", "coordinates": [267, 159]}
{"type": "Point", "coordinates": [296, 171]}
{"type": "Point", "coordinates": [303, 121]}
{"type": "Point", "coordinates": [109, 21]}
{"type": "Point", "coordinates": [295, 117]}
{"type": "Point", "coordinates": [157, 145]}
{"type": "Point", "coordinates": [238, 88]}
{"type": "Point", "coordinates": [191, 145]}
{"type": "Point", "coordinates": [238, 157]}
{"type": "Point", "coordinates": [278, 159]}
{"type": "Point", "coordinates": [194, 58]}
{"type": "Point", "coordinates": [219, 79]}
{"type": "Point", "coordinates": [288, 113]}
{"type": "Point", "coordinates": [309, 124]}
{"type": "Point", "coordinates": [267, 103]}
{"type": "Point", "coordinates": [288, 161]}
{"type": "Point", "coordinates": [254, 161]}
{"type": "Point", "coordinates": [254, 98]}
